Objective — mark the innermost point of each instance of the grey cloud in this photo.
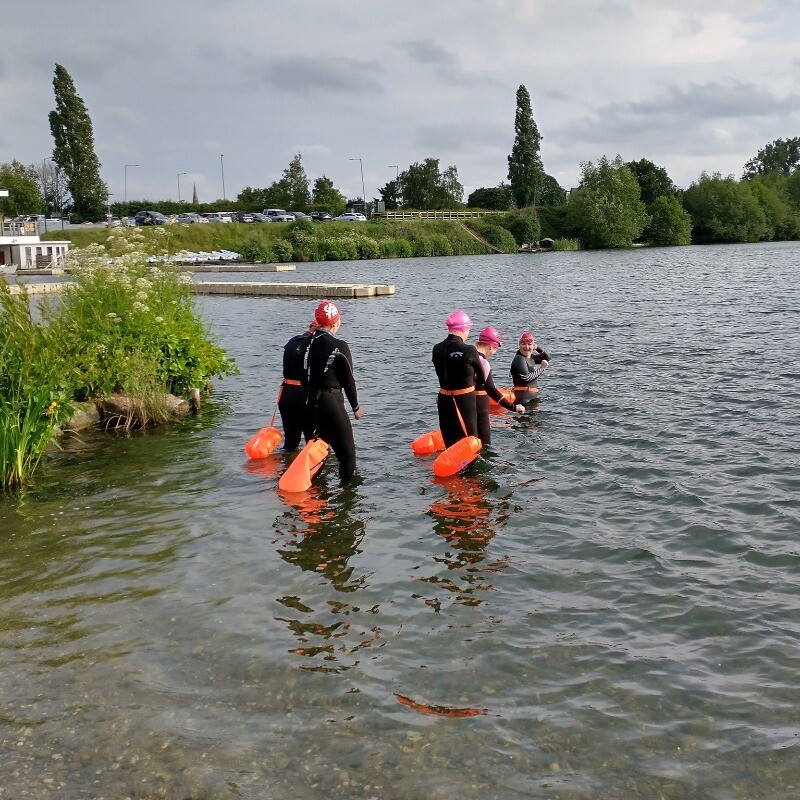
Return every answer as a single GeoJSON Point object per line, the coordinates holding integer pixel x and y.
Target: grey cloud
{"type": "Point", "coordinates": [428, 51]}
{"type": "Point", "coordinates": [299, 74]}
{"type": "Point", "coordinates": [680, 110]}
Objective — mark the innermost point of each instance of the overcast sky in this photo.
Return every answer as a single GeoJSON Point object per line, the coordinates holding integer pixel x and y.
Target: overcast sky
{"type": "Point", "coordinates": [171, 86]}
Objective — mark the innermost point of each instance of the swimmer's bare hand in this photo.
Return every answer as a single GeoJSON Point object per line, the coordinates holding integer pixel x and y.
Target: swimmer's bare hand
{"type": "Point", "coordinates": [519, 408]}
{"type": "Point", "coordinates": [358, 414]}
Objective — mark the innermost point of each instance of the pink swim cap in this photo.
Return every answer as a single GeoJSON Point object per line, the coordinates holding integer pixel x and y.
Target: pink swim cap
{"type": "Point", "coordinates": [458, 321]}
{"type": "Point", "coordinates": [490, 336]}
{"type": "Point", "coordinates": [526, 338]}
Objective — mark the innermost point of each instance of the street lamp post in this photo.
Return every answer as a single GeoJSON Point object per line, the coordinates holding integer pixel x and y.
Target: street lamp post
{"type": "Point", "coordinates": [363, 192]}
{"type": "Point", "coordinates": [126, 184]}
{"type": "Point", "coordinates": [179, 184]}
{"type": "Point", "coordinates": [222, 169]}
{"type": "Point", "coordinates": [396, 182]}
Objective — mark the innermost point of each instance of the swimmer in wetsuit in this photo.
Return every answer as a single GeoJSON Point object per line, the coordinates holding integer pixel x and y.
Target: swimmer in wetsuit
{"type": "Point", "coordinates": [529, 363]}
{"type": "Point", "coordinates": [458, 367]}
{"type": "Point", "coordinates": [292, 401]}
{"type": "Point", "coordinates": [327, 374]}
{"type": "Point", "coordinates": [488, 343]}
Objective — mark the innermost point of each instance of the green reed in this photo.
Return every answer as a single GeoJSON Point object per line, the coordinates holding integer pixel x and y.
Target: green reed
{"type": "Point", "coordinates": [33, 395]}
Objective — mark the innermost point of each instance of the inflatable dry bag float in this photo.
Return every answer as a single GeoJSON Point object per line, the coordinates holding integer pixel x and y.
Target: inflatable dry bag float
{"type": "Point", "coordinates": [307, 464]}
{"type": "Point", "coordinates": [431, 442]}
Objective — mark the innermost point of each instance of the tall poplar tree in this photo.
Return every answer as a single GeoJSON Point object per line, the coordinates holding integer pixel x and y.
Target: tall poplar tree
{"type": "Point", "coordinates": [74, 152]}
{"type": "Point", "coordinates": [525, 170]}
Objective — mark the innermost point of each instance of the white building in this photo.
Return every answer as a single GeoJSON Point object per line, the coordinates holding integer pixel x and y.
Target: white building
{"type": "Point", "coordinates": [21, 247]}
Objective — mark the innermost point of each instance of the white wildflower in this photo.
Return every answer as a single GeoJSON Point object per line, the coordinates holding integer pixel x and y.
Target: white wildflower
{"type": "Point", "coordinates": [159, 319]}
{"type": "Point", "coordinates": [141, 295]}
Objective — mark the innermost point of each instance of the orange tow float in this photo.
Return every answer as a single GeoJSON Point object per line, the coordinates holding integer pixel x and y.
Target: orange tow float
{"type": "Point", "coordinates": [307, 464]}
{"type": "Point", "coordinates": [431, 442]}
{"type": "Point", "coordinates": [266, 440]}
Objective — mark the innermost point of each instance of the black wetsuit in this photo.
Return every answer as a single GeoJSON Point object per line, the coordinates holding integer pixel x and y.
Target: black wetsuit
{"type": "Point", "coordinates": [524, 371]}
{"type": "Point", "coordinates": [458, 367]}
{"type": "Point", "coordinates": [292, 403]}
{"type": "Point", "coordinates": [327, 372]}
{"type": "Point", "coordinates": [482, 402]}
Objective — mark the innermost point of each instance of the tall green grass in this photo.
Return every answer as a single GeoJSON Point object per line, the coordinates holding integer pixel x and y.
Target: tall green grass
{"type": "Point", "coordinates": [33, 395]}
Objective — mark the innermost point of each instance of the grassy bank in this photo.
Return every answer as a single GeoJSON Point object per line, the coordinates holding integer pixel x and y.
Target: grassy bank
{"type": "Point", "coordinates": [306, 241]}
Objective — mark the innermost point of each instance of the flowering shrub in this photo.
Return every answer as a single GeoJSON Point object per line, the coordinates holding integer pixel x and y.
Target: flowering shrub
{"type": "Point", "coordinates": [124, 318]}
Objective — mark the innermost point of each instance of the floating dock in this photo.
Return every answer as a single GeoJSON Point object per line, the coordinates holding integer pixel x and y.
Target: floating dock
{"type": "Point", "coordinates": [250, 288]}
{"type": "Point", "coordinates": [331, 290]}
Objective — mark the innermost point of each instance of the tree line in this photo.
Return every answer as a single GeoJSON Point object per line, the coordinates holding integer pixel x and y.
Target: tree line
{"type": "Point", "coordinates": [615, 205]}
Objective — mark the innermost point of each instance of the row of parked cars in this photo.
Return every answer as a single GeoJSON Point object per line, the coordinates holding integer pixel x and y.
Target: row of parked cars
{"type": "Point", "coordinates": [268, 215]}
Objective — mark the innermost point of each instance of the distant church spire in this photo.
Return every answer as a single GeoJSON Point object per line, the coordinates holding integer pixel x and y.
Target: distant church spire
{"type": "Point", "coordinates": [195, 201]}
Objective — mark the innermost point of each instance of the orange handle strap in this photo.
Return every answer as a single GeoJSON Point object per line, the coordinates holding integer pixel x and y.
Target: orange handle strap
{"type": "Point", "coordinates": [460, 418]}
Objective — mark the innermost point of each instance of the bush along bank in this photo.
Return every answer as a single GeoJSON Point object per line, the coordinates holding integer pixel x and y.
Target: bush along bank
{"type": "Point", "coordinates": [124, 337]}
{"type": "Point", "coordinates": [303, 241]}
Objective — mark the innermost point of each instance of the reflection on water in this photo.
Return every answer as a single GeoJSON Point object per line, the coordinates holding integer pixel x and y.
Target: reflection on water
{"type": "Point", "coordinates": [466, 518]}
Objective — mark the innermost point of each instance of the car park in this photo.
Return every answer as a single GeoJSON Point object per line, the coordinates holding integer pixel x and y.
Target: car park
{"type": "Point", "coordinates": [320, 216]}
{"type": "Point", "coordinates": [242, 216]}
{"type": "Point", "coordinates": [279, 215]}
{"type": "Point", "coordinates": [150, 218]}
{"type": "Point", "coordinates": [350, 216]}
{"type": "Point", "coordinates": [258, 217]}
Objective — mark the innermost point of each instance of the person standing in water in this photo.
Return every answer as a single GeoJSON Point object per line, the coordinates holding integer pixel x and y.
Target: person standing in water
{"type": "Point", "coordinates": [459, 370]}
{"type": "Point", "coordinates": [328, 377]}
{"type": "Point", "coordinates": [529, 363]}
{"type": "Point", "coordinates": [292, 401]}
{"type": "Point", "coordinates": [489, 342]}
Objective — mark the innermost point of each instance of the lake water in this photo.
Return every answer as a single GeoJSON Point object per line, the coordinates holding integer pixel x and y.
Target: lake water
{"type": "Point", "coordinates": [615, 587]}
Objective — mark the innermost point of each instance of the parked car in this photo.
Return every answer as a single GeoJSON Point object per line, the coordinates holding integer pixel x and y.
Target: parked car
{"type": "Point", "coordinates": [217, 216]}
{"type": "Point", "coordinates": [150, 218]}
{"type": "Point", "coordinates": [320, 216]}
{"type": "Point", "coordinates": [190, 218]}
{"type": "Point", "coordinates": [258, 217]}
{"type": "Point", "coordinates": [350, 216]}
{"type": "Point", "coordinates": [299, 215]}
{"type": "Point", "coordinates": [279, 215]}
{"type": "Point", "coordinates": [242, 216]}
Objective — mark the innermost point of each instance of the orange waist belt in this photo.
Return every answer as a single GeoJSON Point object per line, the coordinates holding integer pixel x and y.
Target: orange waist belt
{"type": "Point", "coordinates": [454, 392]}
{"type": "Point", "coordinates": [290, 382]}
{"type": "Point", "coordinates": [524, 388]}
{"type": "Point", "coordinates": [479, 391]}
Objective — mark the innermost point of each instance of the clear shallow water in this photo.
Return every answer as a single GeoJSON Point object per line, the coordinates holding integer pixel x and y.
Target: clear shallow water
{"type": "Point", "coordinates": [616, 585]}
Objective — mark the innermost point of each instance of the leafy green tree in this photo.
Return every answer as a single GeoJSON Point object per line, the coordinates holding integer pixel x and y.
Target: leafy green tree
{"type": "Point", "coordinates": [524, 225]}
{"type": "Point", "coordinates": [495, 199]}
{"type": "Point", "coordinates": [782, 155]}
{"type": "Point", "coordinates": [74, 151]}
{"type": "Point", "coordinates": [670, 224]}
{"type": "Point", "coordinates": [254, 199]}
{"type": "Point", "coordinates": [653, 180]}
{"type": "Point", "coordinates": [424, 187]}
{"type": "Point", "coordinates": [327, 196]}
{"type": "Point", "coordinates": [724, 210]}
{"type": "Point", "coordinates": [52, 185]}
{"type": "Point", "coordinates": [525, 170]}
{"type": "Point", "coordinates": [295, 184]}
{"type": "Point", "coordinates": [606, 210]}
{"type": "Point", "coordinates": [770, 191]}
{"type": "Point", "coordinates": [390, 194]}
{"type": "Point", "coordinates": [23, 190]}
{"type": "Point", "coordinates": [551, 194]}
